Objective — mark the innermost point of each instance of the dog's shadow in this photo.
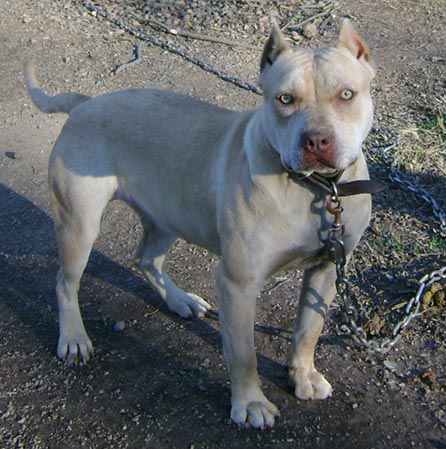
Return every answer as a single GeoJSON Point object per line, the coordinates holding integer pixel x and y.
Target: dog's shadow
{"type": "Point", "coordinates": [29, 259]}
{"type": "Point", "coordinates": [28, 267]}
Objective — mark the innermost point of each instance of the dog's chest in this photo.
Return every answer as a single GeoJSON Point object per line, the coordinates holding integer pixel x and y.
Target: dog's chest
{"type": "Point", "coordinates": [300, 239]}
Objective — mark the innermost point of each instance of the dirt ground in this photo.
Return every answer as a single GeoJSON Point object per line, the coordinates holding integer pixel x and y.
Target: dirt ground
{"type": "Point", "coordinates": [161, 381]}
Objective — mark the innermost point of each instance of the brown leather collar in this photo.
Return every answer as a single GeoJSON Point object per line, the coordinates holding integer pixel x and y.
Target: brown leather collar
{"type": "Point", "coordinates": [357, 187]}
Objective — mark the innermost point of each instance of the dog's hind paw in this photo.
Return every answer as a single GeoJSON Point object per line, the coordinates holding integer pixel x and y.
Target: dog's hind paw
{"type": "Point", "coordinates": [188, 305]}
{"type": "Point", "coordinates": [312, 386]}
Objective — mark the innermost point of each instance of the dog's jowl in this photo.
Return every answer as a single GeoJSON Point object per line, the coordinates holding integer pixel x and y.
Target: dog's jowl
{"type": "Point", "coordinates": [234, 183]}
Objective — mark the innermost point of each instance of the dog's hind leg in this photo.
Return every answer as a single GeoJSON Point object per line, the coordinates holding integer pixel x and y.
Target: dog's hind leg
{"type": "Point", "coordinates": [150, 258]}
{"type": "Point", "coordinates": [78, 204]}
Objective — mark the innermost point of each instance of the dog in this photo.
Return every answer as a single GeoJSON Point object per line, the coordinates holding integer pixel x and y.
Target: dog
{"type": "Point", "coordinates": [235, 183]}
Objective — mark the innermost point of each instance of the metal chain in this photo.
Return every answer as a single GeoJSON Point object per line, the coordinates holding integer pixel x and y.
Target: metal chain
{"type": "Point", "coordinates": [338, 256]}
{"type": "Point", "coordinates": [396, 176]}
{"type": "Point", "coordinates": [171, 48]}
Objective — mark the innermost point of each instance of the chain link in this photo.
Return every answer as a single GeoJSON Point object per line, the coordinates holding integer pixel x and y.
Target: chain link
{"type": "Point", "coordinates": [171, 48]}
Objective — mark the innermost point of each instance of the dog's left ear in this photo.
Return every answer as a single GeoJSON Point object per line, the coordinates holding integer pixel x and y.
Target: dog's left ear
{"type": "Point", "coordinates": [275, 45]}
{"type": "Point", "coordinates": [350, 40]}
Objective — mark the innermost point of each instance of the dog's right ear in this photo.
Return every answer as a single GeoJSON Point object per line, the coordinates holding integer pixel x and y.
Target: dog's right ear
{"type": "Point", "coordinates": [275, 45]}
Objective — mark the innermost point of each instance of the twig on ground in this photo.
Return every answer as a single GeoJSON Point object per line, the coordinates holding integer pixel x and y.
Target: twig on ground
{"type": "Point", "coordinates": [135, 60]}
{"type": "Point", "coordinates": [279, 282]}
{"type": "Point", "coordinates": [197, 36]}
{"type": "Point", "coordinates": [326, 12]}
{"type": "Point", "coordinates": [317, 6]}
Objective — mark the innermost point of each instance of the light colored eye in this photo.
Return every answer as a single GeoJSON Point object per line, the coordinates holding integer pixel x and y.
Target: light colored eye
{"type": "Point", "coordinates": [346, 94]}
{"type": "Point", "coordinates": [286, 99]}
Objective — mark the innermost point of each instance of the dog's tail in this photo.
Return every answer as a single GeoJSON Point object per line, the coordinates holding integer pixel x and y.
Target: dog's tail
{"type": "Point", "coordinates": [46, 103]}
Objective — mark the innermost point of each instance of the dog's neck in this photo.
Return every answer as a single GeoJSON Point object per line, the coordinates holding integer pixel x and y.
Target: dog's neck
{"type": "Point", "coordinates": [263, 158]}
{"type": "Point", "coordinates": [331, 184]}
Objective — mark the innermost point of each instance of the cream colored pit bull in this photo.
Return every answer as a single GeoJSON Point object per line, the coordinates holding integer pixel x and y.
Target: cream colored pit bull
{"type": "Point", "coordinates": [234, 183]}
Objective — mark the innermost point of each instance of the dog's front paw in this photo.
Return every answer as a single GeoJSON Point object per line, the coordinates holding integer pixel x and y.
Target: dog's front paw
{"type": "Point", "coordinates": [255, 413]}
{"type": "Point", "coordinates": [310, 385]}
{"type": "Point", "coordinates": [75, 348]}
{"type": "Point", "coordinates": [188, 305]}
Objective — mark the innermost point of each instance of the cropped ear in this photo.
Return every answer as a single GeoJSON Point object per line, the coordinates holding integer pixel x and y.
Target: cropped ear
{"type": "Point", "coordinates": [275, 45]}
{"type": "Point", "coordinates": [350, 40]}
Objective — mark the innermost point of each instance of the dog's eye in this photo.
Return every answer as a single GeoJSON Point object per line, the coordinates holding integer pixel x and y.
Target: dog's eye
{"type": "Point", "coordinates": [346, 94]}
{"type": "Point", "coordinates": [285, 99]}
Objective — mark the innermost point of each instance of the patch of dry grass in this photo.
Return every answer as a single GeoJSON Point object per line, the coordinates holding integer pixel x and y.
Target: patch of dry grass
{"type": "Point", "coordinates": [422, 142]}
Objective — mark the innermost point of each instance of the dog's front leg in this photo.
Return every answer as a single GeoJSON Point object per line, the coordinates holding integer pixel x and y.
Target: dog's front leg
{"type": "Point", "coordinates": [318, 291]}
{"type": "Point", "coordinates": [237, 303]}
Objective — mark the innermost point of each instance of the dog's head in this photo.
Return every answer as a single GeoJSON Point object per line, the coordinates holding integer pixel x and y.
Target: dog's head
{"type": "Point", "coordinates": [317, 105]}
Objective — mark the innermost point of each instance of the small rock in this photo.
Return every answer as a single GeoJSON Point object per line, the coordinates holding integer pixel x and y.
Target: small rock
{"type": "Point", "coordinates": [24, 18]}
{"type": "Point", "coordinates": [390, 365]}
{"type": "Point", "coordinates": [310, 31]}
{"type": "Point", "coordinates": [429, 378]}
{"type": "Point", "coordinates": [11, 155]}
{"type": "Point", "coordinates": [296, 36]}
{"type": "Point", "coordinates": [441, 416]}
{"type": "Point", "coordinates": [119, 326]}
{"type": "Point", "coordinates": [392, 385]}
{"type": "Point", "coordinates": [206, 363]}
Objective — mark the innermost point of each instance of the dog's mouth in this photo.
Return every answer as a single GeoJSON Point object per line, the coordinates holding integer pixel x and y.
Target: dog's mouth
{"type": "Point", "coordinates": [317, 165]}
{"type": "Point", "coordinates": [322, 169]}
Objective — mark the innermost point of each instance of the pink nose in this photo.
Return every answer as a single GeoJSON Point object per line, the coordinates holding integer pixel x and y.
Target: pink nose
{"type": "Point", "coordinates": [318, 149]}
{"type": "Point", "coordinates": [317, 143]}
